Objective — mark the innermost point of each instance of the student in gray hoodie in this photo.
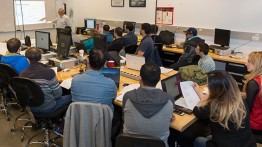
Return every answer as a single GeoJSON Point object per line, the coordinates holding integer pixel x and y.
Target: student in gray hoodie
{"type": "Point", "coordinates": [148, 110]}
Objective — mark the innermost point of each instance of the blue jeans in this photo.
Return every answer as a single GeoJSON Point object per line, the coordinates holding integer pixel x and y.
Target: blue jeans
{"type": "Point", "coordinates": [60, 102]}
{"type": "Point", "coordinates": [201, 141]}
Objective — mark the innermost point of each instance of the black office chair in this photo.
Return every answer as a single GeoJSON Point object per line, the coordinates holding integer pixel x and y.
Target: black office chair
{"type": "Point", "coordinates": [6, 91]}
{"type": "Point", "coordinates": [124, 140]}
{"type": "Point", "coordinates": [131, 49]}
{"type": "Point", "coordinates": [155, 57]}
{"type": "Point", "coordinates": [30, 94]}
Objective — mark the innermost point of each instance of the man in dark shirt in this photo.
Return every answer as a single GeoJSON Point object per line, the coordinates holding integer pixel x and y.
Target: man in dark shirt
{"type": "Point", "coordinates": [118, 43]}
{"type": "Point", "coordinates": [147, 45]}
{"type": "Point", "coordinates": [189, 55]}
{"type": "Point", "coordinates": [130, 37]}
{"type": "Point", "coordinates": [153, 32]}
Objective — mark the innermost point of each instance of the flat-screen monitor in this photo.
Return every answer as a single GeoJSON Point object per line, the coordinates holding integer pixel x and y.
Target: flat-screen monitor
{"type": "Point", "coordinates": [124, 26]}
{"type": "Point", "coordinates": [64, 31]}
{"type": "Point", "coordinates": [90, 23]}
{"type": "Point", "coordinates": [63, 47]}
{"type": "Point", "coordinates": [222, 37]}
{"type": "Point", "coordinates": [112, 73]}
{"type": "Point", "coordinates": [42, 40]}
{"type": "Point", "coordinates": [171, 85]}
{"type": "Point", "coordinates": [100, 41]}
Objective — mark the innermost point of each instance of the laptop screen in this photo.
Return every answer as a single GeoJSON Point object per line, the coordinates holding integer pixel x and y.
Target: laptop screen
{"type": "Point", "coordinates": [134, 62]}
{"type": "Point", "coordinates": [112, 73]}
{"type": "Point", "coordinates": [171, 85]}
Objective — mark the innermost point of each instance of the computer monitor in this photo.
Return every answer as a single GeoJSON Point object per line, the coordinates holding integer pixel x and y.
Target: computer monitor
{"type": "Point", "coordinates": [63, 47]}
{"type": "Point", "coordinates": [124, 26]}
{"type": "Point", "coordinates": [64, 31]}
{"type": "Point", "coordinates": [100, 41]}
{"type": "Point", "coordinates": [171, 85]}
{"type": "Point", "coordinates": [42, 40]}
{"type": "Point", "coordinates": [90, 23]}
{"type": "Point", "coordinates": [112, 73]}
{"type": "Point", "coordinates": [222, 37]}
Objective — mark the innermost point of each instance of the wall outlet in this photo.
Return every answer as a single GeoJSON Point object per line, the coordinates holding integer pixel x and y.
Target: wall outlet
{"type": "Point", "coordinates": [255, 37]}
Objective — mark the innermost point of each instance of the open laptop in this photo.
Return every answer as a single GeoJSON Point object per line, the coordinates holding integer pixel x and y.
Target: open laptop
{"type": "Point", "coordinates": [112, 73]}
{"type": "Point", "coordinates": [171, 85]}
{"type": "Point", "coordinates": [134, 62]}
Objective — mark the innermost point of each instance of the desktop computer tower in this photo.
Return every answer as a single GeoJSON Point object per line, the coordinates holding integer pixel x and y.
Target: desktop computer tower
{"type": "Point", "coordinates": [62, 64]}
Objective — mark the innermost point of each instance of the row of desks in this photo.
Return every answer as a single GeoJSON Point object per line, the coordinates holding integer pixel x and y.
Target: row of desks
{"type": "Point", "coordinates": [180, 123]}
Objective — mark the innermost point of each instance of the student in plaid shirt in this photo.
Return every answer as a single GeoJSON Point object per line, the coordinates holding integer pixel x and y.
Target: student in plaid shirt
{"type": "Point", "coordinates": [205, 63]}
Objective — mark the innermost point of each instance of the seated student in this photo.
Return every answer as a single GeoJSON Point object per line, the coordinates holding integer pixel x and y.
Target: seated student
{"type": "Point", "coordinates": [226, 111]}
{"type": "Point", "coordinates": [118, 43]}
{"type": "Point", "coordinates": [147, 45]}
{"type": "Point", "coordinates": [148, 110]}
{"type": "Point", "coordinates": [13, 58]}
{"type": "Point", "coordinates": [189, 49]}
{"type": "Point", "coordinates": [253, 91]}
{"type": "Point", "coordinates": [46, 78]}
{"type": "Point", "coordinates": [205, 63]}
{"type": "Point", "coordinates": [93, 86]}
{"type": "Point", "coordinates": [153, 34]}
{"type": "Point", "coordinates": [130, 37]}
{"type": "Point", "coordinates": [109, 37]}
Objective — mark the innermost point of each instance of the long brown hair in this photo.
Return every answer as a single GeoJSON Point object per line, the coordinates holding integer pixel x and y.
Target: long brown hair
{"type": "Point", "coordinates": [226, 103]}
{"type": "Point", "coordinates": [255, 58]}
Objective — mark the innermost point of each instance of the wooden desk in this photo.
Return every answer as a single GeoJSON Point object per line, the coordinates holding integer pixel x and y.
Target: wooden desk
{"type": "Point", "coordinates": [181, 122]}
{"type": "Point", "coordinates": [213, 55]}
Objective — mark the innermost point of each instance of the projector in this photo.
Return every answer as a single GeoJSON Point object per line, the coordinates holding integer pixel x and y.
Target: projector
{"type": "Point", "coordinates": [62, 64]}
{"type": "Point", "coordinates": [222, 52]}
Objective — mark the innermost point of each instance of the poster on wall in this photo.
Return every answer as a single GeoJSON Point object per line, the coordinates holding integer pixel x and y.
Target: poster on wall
{"type": "Point", "coordinates": [117, 3]}
{"type": "Point", "coordinates": [137, 3]}
{"type": "Point", "coordinates": [164, 15]}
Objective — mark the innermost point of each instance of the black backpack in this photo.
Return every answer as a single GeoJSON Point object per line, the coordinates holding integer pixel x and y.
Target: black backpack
{"type": "Point", "coordinates": [167, 37]}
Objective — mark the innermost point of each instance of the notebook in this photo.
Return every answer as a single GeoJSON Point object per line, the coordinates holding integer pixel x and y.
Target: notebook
{"type": "Point", "coordinates": [112, 73]}
{"type": "Point", "coordinates": [134, 62]}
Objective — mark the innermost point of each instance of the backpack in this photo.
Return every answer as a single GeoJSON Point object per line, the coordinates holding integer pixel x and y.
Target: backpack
{"type": "Point", "coordinates": [167, 37]}
{"type": "Point", "coordinates": [193, 73]}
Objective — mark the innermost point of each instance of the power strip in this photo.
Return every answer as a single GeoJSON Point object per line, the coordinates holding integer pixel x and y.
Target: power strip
{"type": "Point", "coordinates": [128, 75]}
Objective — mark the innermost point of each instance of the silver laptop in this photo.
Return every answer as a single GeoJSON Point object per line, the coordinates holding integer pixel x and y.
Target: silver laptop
{"type": "Point", "coordinates": [134, 62]}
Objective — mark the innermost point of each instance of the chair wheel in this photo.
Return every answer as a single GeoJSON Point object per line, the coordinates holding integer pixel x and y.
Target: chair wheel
{"type": "Point", "coordinates": [7, 118]}
{"type": "Point", "coordinates": [13, 129]}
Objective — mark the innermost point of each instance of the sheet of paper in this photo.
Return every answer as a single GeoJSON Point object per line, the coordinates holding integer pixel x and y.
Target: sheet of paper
{"type": "Point", "coordinates": [165, 70]}
{"type": "Point", "coordinates": [159, 85]}
{"type": "Point", "coordinates": [126, 89]}
{"type": "Point", "coordinates": [55, 70]}
{"type": "Point", "coordinates": [66, 83]}
{"type": "Point", "coordinates": [181, 102]}
{"type": "Point", "coordinates": [3, 48]}
{"type": "Point", "coordinates": [189, 94]}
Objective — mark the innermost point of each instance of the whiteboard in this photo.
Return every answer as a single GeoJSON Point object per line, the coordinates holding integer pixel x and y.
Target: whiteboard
{"type": "Point", "coordinates": [8, 21]}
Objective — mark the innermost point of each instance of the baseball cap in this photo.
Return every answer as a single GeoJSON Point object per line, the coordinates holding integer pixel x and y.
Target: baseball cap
{"type": "Point", "coordinates": [191, 31]}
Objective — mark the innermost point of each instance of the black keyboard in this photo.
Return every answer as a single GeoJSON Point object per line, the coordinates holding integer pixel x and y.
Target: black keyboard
{"type": "Point", "coordinates": [217, 47]}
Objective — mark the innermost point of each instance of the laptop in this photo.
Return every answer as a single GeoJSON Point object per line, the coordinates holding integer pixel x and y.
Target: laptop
{"type": "Point", "coordinates": [171, 85]}
{"type": "Point", "coordinates": [134, 62]}
{"type": "Point", "coordinates": [112, 73]}
{"type": "Point", "coordinates": [80, 46]}
{"type": "Point", "coordinates": [114, 55]}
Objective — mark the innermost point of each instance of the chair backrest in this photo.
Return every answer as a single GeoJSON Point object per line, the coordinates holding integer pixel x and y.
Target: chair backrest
{"type": "Point", "coordinates": [159, 47]}
{"type": "Point", "coordinates": [131, 49]}
{"type": "Point", "coordinates": [28, 92]}
{"type": "Point", "coordinates": [155, 57]}
{"type": "Point", "coordinates": [6, 74]}
{"type": "Point", "coordinates": [138, 141]}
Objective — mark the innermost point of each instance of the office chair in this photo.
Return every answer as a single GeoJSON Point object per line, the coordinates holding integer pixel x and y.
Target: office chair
{"type": "Point", "coordinates": [30, 94]}
{"type": "Point", "coordinates": [155, 57]}
{"type": "Point", "coordinates": [138, 141]}
{"type": "Point", "coordinates": [6, 91]}
{"type": "Point", "coordinates": [131, 49]}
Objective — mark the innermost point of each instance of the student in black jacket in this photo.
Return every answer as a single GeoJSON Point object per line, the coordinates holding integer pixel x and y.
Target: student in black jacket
{"type": "Point", "coordinates": [118, 43]}
{"type": "Point", "coordinates": [226, 111]}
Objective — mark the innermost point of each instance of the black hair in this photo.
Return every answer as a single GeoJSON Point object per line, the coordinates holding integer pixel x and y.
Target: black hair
{"type": "Point", "coordinates": [106, 28]}
{"type": "Point", "coordinates": [129, 26]}
{"type": "Point", "coordinates": [119, 31]}
{"type": "Point", "coordinates": [33, 54]}
{"type": "Point", "coordinates": [203, 47]}
{"type": "Point", "coordinates": [97, 59]}
{"type": "Point", "coordinates": [13, 45]}
{"type": "Point", "coordinates": [153, 29]}
{"type": "Point", "coordinates": [146, 27]}
{"type": "Point", "coordinates": [150, 74]}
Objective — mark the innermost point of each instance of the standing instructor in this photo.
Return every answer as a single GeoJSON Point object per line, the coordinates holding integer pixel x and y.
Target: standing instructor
{"type": "Point", "coordinates": [62, 20]}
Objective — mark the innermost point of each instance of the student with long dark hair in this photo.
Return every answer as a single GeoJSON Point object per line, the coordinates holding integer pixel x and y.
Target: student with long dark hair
{"type": "Point", "coordinates": [226, 112]}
